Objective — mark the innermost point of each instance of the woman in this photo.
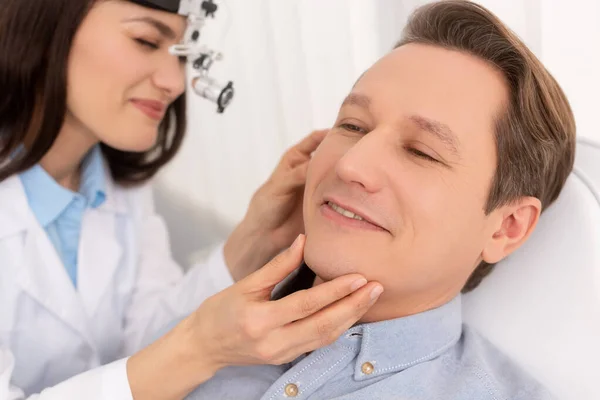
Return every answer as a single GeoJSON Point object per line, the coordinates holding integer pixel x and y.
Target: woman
{"type": "Point", "coordinates": [91, 107]}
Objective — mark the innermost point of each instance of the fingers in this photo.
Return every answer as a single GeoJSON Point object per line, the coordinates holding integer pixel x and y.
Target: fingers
{"type": "Point", "coordinates": [301, 152]}
{"type": "Point", "coordinates": [298, 175]}
{"type": "Point", "coordinates": [325, 326]}
{"type": "Point", "coordinates": [304, 303]}
{"type": "Point", "coordinates": [294, 179]}
{"type": "Point", "coordinates": [311, 142]}
{"type": "Point", "coordinates": [277, 269]}
{"type": "Point", "coordinates": [297, 157]}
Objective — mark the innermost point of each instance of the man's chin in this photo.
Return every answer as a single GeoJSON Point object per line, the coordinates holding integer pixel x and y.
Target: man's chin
{"type": "Point", "coordinates": [319, 280]}
{"type": "Point", "coordinates": [323, 271]}
{"type": "Point", "coordinates": [328, 262]}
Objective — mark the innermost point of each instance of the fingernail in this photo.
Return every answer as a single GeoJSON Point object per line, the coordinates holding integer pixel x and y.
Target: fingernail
{"type": "Point", "coordinates": [376, 292]}
{"type": "Point", "coordinates": [357, 284]}
{"type": "Point", "coordinates": [296, 242]}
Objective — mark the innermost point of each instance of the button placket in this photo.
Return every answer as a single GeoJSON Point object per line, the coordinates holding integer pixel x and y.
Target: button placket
{"type": "Point", "coordinates": [291, 390]}
{"type": "Point", "coordinates": [367, 368]}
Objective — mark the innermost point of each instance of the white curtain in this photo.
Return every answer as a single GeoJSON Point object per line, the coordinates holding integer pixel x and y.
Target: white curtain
{"type": "Point", "coordinates": [293, 61]}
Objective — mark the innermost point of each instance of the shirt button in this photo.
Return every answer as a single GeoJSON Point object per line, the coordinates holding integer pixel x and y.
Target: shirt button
{"type": "Point", "coordinates": [367, 368]}
{"type": "Point", "coordinates": [291, 390]}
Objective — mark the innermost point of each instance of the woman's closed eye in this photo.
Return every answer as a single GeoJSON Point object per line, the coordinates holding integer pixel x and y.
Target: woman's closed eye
{"type": "Point", "coordinates": [155, 46]}
{"type": "Point", "coordinates": [148, 44]}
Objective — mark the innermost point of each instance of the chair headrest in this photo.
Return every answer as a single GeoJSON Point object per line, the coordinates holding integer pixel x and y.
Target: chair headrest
{"type": "Point", "coordinates": [542, 304]}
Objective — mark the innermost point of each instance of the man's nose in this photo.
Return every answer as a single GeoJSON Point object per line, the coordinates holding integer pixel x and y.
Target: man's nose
{"type": "Point", "coordinates": [364, 163]}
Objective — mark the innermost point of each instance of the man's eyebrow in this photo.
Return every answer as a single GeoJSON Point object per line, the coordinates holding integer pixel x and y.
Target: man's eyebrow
{"type": "Point", "coordinates": [163, 28]}
{"type": "Point", "coordinates": [356, 99]}
{"type": "Point", "coordinates": [439, 130]}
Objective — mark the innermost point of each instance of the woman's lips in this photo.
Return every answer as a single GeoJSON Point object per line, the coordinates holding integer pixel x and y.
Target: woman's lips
{"type": "Point", "coordinates": [152, 108]}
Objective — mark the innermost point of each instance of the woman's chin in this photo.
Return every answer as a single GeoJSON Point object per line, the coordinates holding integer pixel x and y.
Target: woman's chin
{"type": "Point", "coordinates": [139, 144]}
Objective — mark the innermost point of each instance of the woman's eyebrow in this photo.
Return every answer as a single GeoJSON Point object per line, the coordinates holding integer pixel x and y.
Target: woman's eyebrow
{"type": "Point", "coordinates": [163, 28]}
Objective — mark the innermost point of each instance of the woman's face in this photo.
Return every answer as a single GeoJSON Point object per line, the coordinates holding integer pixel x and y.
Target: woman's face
{"type": "Point", "coordinates": [121, 77]}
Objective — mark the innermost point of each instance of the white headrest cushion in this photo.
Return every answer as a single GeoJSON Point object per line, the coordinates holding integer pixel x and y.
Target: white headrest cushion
{"type": "Point", "coordinates": [542, 304]}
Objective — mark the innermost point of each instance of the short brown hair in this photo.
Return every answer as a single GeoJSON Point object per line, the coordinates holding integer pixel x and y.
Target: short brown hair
{"type": "Point", "coordinates": [535, 134]}
{"type": "Point", "coordinates": [35, 42]}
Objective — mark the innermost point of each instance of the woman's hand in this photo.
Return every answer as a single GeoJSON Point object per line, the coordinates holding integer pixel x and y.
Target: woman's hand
{"type": "Point", "coordinates": [242, 326]}
{"type": "Point", "coordinates": [274, 217]}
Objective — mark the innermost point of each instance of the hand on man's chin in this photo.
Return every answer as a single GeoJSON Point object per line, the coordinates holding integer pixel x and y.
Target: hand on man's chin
{"type": "Point", "coordinates": [318, 281]}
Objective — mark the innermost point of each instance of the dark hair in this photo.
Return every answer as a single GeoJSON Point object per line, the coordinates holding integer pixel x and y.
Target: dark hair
{"type": "Point", "coordinates": [35, 42]}
{"type": "Point", "coordinates": [535, 135]}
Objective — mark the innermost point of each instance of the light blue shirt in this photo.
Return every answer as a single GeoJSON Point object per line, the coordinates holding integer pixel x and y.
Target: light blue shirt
{"type": "Point", "coordinates": [60, 211]}
{"type": "Point", "coordinates": [427, 356]}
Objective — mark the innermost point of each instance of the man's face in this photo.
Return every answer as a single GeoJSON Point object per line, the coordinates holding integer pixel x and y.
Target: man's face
{"type": "Point", "coordinates": [413, 154]}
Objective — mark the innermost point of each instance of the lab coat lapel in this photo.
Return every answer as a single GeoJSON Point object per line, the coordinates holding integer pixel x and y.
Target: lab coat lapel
{"type": "Point", "coordinates": [44, 278]}
{"type": "Point", "coordinates": [100, 249]}
{"type": "Point", "coordinates": [100, 255]}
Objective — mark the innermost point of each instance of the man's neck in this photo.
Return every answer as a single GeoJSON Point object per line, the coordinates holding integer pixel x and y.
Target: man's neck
{"type": "Point", "coordinates": [393, 306]}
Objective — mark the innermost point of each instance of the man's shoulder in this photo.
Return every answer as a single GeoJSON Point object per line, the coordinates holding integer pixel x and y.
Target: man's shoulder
{"type": "Point", "coordinates": [493, 371]}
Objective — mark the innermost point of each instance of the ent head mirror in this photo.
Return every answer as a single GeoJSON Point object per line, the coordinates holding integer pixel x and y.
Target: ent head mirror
{"type": "Point", "coordinates": [200, 57]}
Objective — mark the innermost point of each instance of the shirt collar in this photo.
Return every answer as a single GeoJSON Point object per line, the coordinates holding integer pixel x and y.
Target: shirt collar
{"type": "Point", "coordinates": [93, 178]}
{"type": "Point", "coordinates": [48, 199]}
{"type": "Point", "coordinates": [394, 345]}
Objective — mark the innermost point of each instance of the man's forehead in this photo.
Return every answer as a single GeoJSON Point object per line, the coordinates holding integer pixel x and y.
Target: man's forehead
{"type": "Point", "coordinates": [425, 63]}
{"type": "Point", "coordinates": [441, 91]}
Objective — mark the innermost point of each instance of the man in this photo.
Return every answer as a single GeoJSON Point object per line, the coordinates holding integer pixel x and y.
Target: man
{"type": "Point", "coordinates": [440, 162]}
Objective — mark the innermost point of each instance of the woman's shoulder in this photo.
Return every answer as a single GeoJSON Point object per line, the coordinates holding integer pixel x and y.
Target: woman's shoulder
{"type": "Point", "coordinates": [15, 214]}
{"type": "Point", "coordinates": [136, 200]}
{"type": "Point", "coordinates": [11, 187]}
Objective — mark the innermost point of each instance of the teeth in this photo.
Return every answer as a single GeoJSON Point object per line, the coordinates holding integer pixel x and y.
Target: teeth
{"type": "Point", "coordinates": [345, 213]}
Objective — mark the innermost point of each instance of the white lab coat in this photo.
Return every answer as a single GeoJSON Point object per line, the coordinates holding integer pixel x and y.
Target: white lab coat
{"type": "Point", "coordinates": [129, 288]}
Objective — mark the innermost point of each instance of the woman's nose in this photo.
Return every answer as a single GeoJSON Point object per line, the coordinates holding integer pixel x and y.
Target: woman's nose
{"type": "Point", "coordinates": [170, 77]}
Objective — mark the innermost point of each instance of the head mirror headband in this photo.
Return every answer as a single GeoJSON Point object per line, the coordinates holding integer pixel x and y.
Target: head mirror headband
{"type": "Point", "coordinates": [201, 57]}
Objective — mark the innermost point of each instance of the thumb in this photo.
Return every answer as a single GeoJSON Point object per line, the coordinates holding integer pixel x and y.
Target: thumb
{"type": "Point", "coordinates": [277, 269]}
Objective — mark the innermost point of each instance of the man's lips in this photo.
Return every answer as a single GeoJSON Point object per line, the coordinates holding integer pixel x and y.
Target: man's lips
{"type": "Point", "coordinates": [349, 214]}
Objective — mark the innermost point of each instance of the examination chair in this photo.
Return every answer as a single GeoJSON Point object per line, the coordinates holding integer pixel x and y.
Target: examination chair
{"type": "Point", "coordinates": [541, 305]}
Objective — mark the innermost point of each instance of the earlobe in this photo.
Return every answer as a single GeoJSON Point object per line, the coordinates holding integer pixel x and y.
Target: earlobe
{"type": "Point", "coordinates": [518, 221]}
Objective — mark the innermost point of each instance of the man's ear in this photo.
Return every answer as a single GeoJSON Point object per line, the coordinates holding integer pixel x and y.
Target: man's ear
{"type": "Point", "coordinates": [516, 223]}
